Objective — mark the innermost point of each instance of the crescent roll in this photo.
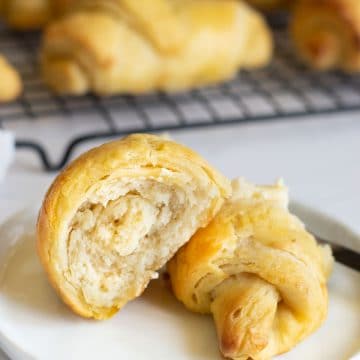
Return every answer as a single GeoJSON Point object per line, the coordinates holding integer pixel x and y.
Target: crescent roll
{"type": "Point", "coordinates": [117, 214]}
{"type": "Point", "coordinates": [10, 81]}
{"type": "Point", "coordinates": [143, 46]}
{"type": "Point", "coordinates": [327, 33]}
{"type": "Point", "coordinates": [31, 14]}
{"type": "Point", "coordinates": [258, 272]}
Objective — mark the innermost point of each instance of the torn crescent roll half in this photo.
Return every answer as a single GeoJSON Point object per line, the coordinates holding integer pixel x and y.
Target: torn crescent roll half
{"type": "Point", "coordinates": [117, 214]}
{"type": "Point", "coordinates": [258, 271]}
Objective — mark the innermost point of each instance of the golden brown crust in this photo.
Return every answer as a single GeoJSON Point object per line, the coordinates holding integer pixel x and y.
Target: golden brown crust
{"type": "Point", "coordinates": [189, 47]}
{"type": "Point", "coordinates": [260, 274]}
{"type": "Point", "coordinates": [270, 5]}
{"type": "Point", "coordinates": [68, 190]}
{"type": "Point", "coordinates": [327, 33]}
{"type": "Point", "coordinates": [10, 84]}
{"type": "Point", "coordinates": [31, 15]}
{"type": "Point", "coordinates": [151, 18]}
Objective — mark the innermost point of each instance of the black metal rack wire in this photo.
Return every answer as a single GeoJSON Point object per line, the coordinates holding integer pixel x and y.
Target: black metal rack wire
{"type": "Point", "coordinates": [284, 89]}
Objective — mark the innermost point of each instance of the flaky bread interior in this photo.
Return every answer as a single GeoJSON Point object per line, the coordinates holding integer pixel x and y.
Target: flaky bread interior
{"type": "Point", "coordinates": [116, 215]}
{"type": "Point", "coordinates": [258, 272]}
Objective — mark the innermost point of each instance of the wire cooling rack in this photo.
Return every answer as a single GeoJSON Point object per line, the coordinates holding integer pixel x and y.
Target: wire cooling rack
{"type": "Point", "coordinates": [284, 89]}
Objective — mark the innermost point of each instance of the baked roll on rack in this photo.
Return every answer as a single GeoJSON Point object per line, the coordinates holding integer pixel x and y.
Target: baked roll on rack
{"type": "Point", "coordinates": [123, 46]}
{"type": "Point", "coordinates": [117, 214]}
{"type": "Point", "coordinates": [258, 271]}
{"type": "Point", "coordinates": [10, 81]}
{"type": "Point", "coordinates": [326, 33]}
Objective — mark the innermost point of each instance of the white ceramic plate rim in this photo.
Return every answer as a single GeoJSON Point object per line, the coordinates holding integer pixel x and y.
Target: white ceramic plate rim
{"type": "Point", "coordinates": [318, 224]}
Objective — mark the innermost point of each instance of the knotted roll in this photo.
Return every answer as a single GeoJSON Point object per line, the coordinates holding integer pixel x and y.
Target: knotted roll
{"type": "Point", "coordinates": [152, 45]}
{"type": "Point", "coordinates": [327, 33]}
{"type": "Point", "coordinates": [10, 81]}
{"type": "Point", "coordinates": [258, 271]}
{"type": "Point", "coordinates": [31, 14]}
{"type": "Point", "coordinates": [117, 214]}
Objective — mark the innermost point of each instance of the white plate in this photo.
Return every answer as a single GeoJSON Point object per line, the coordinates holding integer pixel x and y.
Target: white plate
{"type": "Point", "coordinates": [35, 324]}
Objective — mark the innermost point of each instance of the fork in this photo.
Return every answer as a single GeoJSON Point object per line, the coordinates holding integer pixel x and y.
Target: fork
{"type": "Point", "coordinates": [342, 254]}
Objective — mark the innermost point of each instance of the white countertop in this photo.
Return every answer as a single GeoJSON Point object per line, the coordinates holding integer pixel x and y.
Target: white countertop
{"type": "Point", "coordinates": [318, 157]}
